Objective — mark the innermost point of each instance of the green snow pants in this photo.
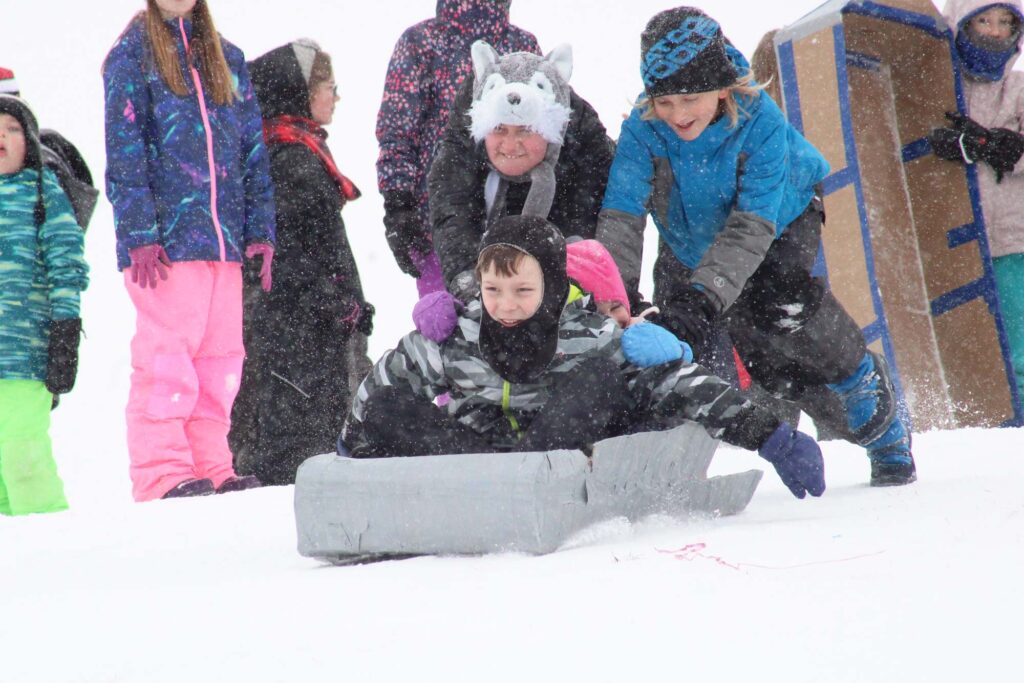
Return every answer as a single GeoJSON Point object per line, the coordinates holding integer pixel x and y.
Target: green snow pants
{"type": "Point", "coordinates": [1009, 272]}
{"type": "Point", "coordinates": [28, 474]}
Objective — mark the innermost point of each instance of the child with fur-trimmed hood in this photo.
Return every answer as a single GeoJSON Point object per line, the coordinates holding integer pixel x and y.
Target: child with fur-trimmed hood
{"type": "Point", "coordinates": [988, 41]}
{"type": "Point", "coordinates": [519, 141]}
{"type": "Point", "coordinates": [530, 368]}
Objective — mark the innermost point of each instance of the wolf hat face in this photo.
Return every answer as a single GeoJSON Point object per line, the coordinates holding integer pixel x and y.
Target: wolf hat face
{"type": "Point", "coordinates": [520, 89]}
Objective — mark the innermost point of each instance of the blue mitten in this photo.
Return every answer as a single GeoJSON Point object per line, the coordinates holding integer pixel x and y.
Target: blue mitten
{"type": "Point", "coordinates": [436, 315]}
{"type": "Point", "coordinates": [647, 344]}
{"type": "Point", "coordinates": [797, 459]}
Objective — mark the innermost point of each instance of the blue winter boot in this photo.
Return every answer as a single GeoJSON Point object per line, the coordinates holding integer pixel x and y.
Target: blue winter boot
{"type": "Point", "coordinates": [892, 463]}
{"type": "Point", "coordinates": [870, 403]}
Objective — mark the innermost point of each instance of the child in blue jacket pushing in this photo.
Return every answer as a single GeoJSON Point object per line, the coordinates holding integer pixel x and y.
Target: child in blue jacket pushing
{"type": "Point", "coordinates": [731, 186]}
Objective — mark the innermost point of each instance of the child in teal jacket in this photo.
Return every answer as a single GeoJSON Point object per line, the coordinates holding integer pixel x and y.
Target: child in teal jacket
{"type": "Point", "coordinates": [42, 273]}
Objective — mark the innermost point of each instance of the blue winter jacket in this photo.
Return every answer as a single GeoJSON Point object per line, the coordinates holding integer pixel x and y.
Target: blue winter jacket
{"type": "Point", "coordinates": [183, 172]}
{"type": "Point", "coordinates": [42, 271]}
{"type": "Point", "coordinates": [718, 201]}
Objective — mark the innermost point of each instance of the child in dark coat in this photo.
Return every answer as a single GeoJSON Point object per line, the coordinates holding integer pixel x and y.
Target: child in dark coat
{"type": "Point", "coordinates": [530, 368]}
{"type": "Point", "coordinates": [305, 338]}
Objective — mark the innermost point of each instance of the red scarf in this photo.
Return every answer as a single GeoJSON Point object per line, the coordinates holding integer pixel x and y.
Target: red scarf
{"type": "Point", "coordinates": [292, 129]}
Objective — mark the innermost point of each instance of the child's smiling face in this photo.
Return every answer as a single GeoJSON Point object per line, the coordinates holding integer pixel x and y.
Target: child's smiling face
{"type": "Point", "coordinates": [514, 298]}
{"type": "Point", "coordinates": [12, 145]}
{"type": "Point", "coordinates": [690, 114]}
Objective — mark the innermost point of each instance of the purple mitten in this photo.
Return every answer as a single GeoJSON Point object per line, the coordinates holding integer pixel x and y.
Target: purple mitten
{"type": "Point", "coordinates": [436, 315]}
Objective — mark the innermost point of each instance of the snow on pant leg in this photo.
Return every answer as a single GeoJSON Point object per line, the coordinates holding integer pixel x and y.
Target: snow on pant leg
{"type": "Point", "coordinates": [27, 469]}
{"type": "Point", "coordinates": [1009, 272]}
{"type": "Point", "coordinates": [591, 402]}
{"type": "Point", "coordinates": [218, 364]}
{"type": "Point", "coordinates": [170, 320]}
{"type": "Point", "coordinates": [431, 278]}
{"type": "Point", "coordinates": [790, 331]}
{"type": "Point", "coordinates": [396, 423]}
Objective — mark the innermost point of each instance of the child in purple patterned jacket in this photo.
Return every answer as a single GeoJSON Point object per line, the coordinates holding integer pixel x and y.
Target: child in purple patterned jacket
{"type": "Point", "coordinates": [428, 65]}
{"type": "Point", "coordinates": [188, 208]}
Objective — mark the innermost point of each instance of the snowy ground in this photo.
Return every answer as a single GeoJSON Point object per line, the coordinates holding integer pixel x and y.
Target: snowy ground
{"type": "Point", "coordinates": [912, 584]}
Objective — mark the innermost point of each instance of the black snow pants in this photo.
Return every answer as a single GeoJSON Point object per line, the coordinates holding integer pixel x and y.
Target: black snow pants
{"type": "Point", "coordinates": [590, 403]}
{"type": "Point", "coordinates": [790, 331]}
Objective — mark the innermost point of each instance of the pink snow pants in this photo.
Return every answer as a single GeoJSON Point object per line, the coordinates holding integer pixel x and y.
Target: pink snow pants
{"type": "Point", "coordinates": [186, 364]}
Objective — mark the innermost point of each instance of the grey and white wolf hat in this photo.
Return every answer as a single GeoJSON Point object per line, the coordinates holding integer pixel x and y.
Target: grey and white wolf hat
{"type": "Point", "coordinates": [520, 89]}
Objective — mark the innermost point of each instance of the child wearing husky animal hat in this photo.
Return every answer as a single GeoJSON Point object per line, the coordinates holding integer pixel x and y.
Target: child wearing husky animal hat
{"type": "Point", "coordinates": [530, 368]}
{"type": "Point", "coordinates": [519, 141]}
{"type": "Point", "coordinates": [428, 65]}
{"type": "Point", "coordinates": [988, 40]}
{"type": "Point", "coordinates": [42, 275]}
{"type": "Point", "coordinates": [737, 212]}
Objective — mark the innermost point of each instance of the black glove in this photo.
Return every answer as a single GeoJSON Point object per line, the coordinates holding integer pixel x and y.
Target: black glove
{"type": "Point", "coordinates": [364, 323]}
{"type": "Point", "coordinates": [689, 315]}
{"type": "Point", "coordinates": [404, 230]}
{"type": "Point", "coordinates": [968, 141]}
{"type": "Point", "coordinates": [62, 365]}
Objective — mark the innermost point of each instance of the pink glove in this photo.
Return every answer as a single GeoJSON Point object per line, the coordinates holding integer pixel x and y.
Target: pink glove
{"type": "Point", "coordinates": [267, 252]}
{"type": "Point", "coordinates": [147, 261]}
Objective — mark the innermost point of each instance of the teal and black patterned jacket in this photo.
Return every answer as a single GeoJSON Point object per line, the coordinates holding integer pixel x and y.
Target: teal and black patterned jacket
{"type": "Point", "coordinates": [42, 272]}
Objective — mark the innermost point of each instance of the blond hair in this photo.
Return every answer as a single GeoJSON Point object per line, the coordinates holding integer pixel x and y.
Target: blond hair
{"type": "Point", "coordinates": [744, 91]}
{"type": "Point", "coordinates": [205, 45]}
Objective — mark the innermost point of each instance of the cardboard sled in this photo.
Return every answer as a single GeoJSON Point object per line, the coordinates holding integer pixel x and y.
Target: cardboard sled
{"type": "Point", "coordinates": [904, 248]}
{"type": "Point", "coordinates": [348, 508]}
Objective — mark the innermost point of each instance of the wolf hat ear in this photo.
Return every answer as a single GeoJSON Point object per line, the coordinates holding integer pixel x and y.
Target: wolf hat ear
{"type": "Point", "coordinates": [484, 56]}
{"type": "Point", "coordinates": [561, 58]}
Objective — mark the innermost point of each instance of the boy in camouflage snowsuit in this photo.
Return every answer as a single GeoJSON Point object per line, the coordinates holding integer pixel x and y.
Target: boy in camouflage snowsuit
{"type": "Point", "coordinates": [531, 367]}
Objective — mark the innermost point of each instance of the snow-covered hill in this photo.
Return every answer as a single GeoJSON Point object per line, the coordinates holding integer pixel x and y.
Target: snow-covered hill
{"type": "Point", "coordinates": [912, 584]}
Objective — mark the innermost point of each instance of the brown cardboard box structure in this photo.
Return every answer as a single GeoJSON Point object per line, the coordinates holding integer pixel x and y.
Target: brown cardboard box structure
{"type": "Point", "coordinates": [904, 247]}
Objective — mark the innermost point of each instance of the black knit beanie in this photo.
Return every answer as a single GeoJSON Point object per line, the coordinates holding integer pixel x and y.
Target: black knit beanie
{"type": "Point", "coordinates": [682, 51]}
{"type": "Point", "coordinates": [19, 109]}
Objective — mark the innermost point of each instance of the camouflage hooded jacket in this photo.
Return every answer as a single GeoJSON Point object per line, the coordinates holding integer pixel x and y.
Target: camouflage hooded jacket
{"type": "Point", "coordinates": [665, 395]}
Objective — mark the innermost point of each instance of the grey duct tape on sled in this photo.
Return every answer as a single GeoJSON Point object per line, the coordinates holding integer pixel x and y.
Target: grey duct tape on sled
{"type": "Point", "coordinates": [495, 502]}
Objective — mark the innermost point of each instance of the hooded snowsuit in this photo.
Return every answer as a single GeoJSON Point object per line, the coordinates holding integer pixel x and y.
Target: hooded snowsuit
{"type": "Point", "coordinates": [1000, 104]}
{"type": "Point", "coordinates": [298, 336]}
{"type": "Point", "coordinates": [191, 176]}
{"type": "Point", "coordinates": [429, 63]}
{"type": "Point", "coordinates": [576, 386]}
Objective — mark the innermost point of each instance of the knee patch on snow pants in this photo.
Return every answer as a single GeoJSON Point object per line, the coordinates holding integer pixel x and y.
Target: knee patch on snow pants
{"type": "Point", "coordinates": [788, 328]}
